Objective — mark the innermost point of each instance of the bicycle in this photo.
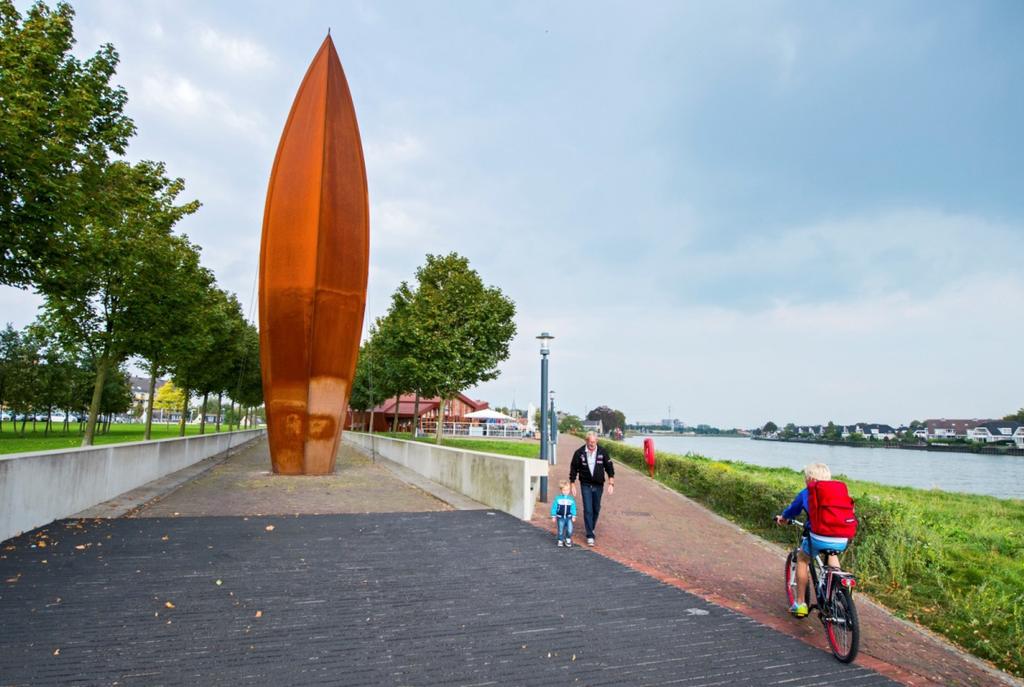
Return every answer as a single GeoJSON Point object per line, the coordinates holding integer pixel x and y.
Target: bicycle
{"type": "Point", "coordinates": [833, 591]}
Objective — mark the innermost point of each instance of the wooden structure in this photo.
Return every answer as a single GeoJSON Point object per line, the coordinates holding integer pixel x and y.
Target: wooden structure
{"type": "Point", "coordinates": [314, 261]}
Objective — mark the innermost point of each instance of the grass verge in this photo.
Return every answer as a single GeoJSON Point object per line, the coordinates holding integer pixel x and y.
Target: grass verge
{"type": "Point", "coordinates": [15, 442]}
{"type": "Point", "coordinates": [508, 447]}
{"type": "Point", "coordinates": [952, 562]}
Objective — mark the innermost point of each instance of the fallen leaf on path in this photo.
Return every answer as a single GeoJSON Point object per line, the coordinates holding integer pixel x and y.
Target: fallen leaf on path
{"type": "Point", "coordinates": [80, 547]}
{"type": "Point", "coordinates": [56, 652]}
{"type": "Point", "coordinates": [168, 604]}
{"type": "Point", "coordinates": [259, 614]}
{"type": "Point", "coordinates": [219, 583]}
{"type": "Point", "coordinates": [269, 528]}
{"type": "Point", "coordinates": [164, 538]}
{"type": "Point", "coordinates": [41, 544]}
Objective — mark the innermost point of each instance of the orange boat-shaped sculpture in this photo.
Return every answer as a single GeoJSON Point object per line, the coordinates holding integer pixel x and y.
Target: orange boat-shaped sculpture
{"type": "Point", "coordinates": [314, 261]}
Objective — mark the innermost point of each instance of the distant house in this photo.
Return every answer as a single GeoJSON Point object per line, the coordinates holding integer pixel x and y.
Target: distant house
{"type": "Point", "coordinates": [878, 431]}
{"type": "Point", "coordinates": [593, 426]}
{"type": "Point", "coordinates": [810, 431]}
{"type": "Point", "coordinates": [950, 429]}
{"type": "Point", "coordinates": [998, 430]}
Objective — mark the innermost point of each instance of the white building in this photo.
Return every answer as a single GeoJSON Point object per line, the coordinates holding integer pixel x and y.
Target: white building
{"type": "Point", "coordinates": [998, 430]}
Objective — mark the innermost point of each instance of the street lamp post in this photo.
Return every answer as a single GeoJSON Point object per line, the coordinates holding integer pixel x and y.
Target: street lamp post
{"type": "Point", "coordinates": [545, 348]}
{"type": "Point", "coordinates": [552, 430]}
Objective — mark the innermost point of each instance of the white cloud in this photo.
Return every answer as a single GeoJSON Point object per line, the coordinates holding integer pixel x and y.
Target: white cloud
{"type": "Point", "coordinates": [174, 97]}
{"type": "Point", "coordinates": [235, 53]}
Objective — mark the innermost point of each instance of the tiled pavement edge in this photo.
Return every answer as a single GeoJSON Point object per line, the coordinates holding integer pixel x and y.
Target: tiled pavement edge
{"type": "Point", "coordinates": [652, 528]}
{"type": "Point", "coordinates": [464, 597]}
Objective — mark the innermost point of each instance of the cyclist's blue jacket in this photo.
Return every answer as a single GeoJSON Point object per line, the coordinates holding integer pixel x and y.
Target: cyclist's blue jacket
{"type": "Point", "coordinates": [799, 504]}
{"type": "Point", "coordinates": [563, 507]}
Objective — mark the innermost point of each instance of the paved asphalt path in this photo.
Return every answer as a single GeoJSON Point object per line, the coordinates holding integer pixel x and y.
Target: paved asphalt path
{"type": "Point", "coordinates": [452, 598]}
{"type": "Point", "coordinates": [654, 529]}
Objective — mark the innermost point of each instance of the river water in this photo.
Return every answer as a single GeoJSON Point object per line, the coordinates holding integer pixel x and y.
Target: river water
{"type": "Point", "coordinates": [974, 473]}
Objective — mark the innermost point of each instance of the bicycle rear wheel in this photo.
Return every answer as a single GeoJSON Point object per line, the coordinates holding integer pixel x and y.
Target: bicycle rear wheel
{"type": "Point", "coordinates": [842, 625]}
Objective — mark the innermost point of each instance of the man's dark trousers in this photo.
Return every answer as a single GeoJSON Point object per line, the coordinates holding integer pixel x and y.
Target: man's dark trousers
{"type": "Point", "coordinates": [591, 505]}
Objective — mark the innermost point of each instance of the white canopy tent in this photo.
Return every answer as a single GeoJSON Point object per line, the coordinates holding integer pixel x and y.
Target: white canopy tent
{"type": "Point", "coordinates": [488, 414]}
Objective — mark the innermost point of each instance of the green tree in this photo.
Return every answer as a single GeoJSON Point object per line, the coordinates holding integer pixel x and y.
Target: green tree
{"type": "Point", "coordinates": [87, 302]}
{"type": "Point", "coordinates": [1016, 417]}
{"type": "Point", "coordinates": [166, 305]}
{"type": "Point", "coordinates": [770, 427]}
{"type": "Point", "coordinates": [247, 379]}
{"type": "Point", "coordinates": [610, 419]}
{"type": "Point", "coordinates": [464, 327]}
{"type": "Point", "coordinates": [570, 423]}
{"type": "Point", "coordinates": [789, 431]}
{"type": "Point", "coordinates": [367, 391]}
{"type": "Point", "coordinates": [10, 345]}
{"type": "Point", "coordinates": [60, 122]}
{"type": "Point", "coordinates": [832, 432]}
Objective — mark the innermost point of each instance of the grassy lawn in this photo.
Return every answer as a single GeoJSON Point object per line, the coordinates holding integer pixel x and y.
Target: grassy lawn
{"type": "Point", "coordinates": [15, 442]}
{"type": "Point", "coordinates": [952, 562]}
{"type": "Point", "coordinates": [524, 448]}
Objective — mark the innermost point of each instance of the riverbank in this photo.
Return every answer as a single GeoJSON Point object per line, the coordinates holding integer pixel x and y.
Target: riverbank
{"type": "Point", "coordinates": [948, 448]}
{"type": "Point", "coordinates": [951, 562]}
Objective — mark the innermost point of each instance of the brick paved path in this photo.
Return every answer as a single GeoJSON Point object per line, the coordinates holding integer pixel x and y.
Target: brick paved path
{"type": "Point", "coordinates": [244, 485]}
{"type": "Point", "coordinates": [444, 598]}
{"type": "Point", "coordinates": [654, 529]}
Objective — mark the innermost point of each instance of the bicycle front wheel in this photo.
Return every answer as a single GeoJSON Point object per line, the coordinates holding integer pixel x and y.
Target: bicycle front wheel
{"type": "Point", "coordinates": [790, 575]}
{"type": "Point", "coordinates": [842, 625]}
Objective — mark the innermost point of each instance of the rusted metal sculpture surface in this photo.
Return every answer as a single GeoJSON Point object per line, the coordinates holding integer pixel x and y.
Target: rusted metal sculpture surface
{"type": "Point", "coordinates": [314, 261]}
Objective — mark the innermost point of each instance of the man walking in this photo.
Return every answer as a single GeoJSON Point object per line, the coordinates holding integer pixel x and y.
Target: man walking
{"type": "Point", "coordinates": [591, 463]}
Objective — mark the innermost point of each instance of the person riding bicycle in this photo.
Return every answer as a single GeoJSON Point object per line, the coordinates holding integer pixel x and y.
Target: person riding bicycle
{"type": "Point", "coordinates": [812, 543]}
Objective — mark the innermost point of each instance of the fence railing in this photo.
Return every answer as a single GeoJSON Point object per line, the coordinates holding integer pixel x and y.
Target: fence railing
{"type": "Point", "coordinates": [495, 430]}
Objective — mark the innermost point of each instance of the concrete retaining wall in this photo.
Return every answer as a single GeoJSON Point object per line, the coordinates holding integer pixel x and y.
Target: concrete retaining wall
{"type": "Point", "coordinates": [506, 483]}
{"type": "Point", "coordinates": [43, 486]}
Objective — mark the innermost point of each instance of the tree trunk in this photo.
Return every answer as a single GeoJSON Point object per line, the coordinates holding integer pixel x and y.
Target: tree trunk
{"type": "Point", "coordinates": [152, 395]}
{"type": "Point", "coordinates": [49, 419]}
{"type": "Point", "coordinates": [415, 415]}
{"type": "Point", "coordinates": [394, 420]}
{"type": "Point", "coordinates": [24, 419]}
{"type": "Point", "coordinates": [184, 412]}
{"type": "Point", "coordinates": [440, 419]}
{"type": "Point", "coordinates": [94, 406]}
{"type": "Point", "coordinates": [202, 419]}
{"type": "Point", "coordinates": [370, 428]}
{"type": "Point", "coordinates": [220, 399]}
{"type": "Point", "coordinates": [67, 420]}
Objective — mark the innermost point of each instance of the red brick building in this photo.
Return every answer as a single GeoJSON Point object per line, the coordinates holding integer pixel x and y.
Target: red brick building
{"type": "Point", "coordinates": [384, 414]}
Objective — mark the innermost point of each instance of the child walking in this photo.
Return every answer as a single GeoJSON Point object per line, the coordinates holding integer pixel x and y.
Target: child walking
{"type": "Point", "coordinates": [563, 512]}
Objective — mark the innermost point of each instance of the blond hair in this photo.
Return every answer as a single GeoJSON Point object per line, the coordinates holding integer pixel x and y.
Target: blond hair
{"type": "Point", "coordinates": [563, 484]}
{"type": "Point", "coordinates": [819, 472]}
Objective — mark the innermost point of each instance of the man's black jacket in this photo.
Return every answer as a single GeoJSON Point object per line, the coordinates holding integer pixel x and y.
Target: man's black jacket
{"type": "Point", "coordinates": [602, 465]}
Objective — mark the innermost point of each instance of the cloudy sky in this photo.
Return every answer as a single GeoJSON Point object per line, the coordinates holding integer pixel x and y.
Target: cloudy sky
{"type": "Point", "coordinates": [739, 211]}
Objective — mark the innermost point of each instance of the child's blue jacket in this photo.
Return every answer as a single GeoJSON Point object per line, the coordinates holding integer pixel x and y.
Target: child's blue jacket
{"type": "Point", "coordinates": [563, 506]}
{"type": "Point", "coordinates": [799, 504]}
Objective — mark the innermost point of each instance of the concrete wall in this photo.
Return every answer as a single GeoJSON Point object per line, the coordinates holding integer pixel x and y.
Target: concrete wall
{"type": "Point", "coordinates": [43, 486]}
{"type": "Point", "coordinates": [501, 482]}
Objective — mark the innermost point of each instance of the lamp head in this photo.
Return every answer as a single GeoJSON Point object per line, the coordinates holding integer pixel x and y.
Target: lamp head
{"type": "Point", "coordinates": [545, 346]}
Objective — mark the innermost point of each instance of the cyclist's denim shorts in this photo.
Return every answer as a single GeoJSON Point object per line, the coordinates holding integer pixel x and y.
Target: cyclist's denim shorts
{"type": "Point", "coordinates": [820, 543]}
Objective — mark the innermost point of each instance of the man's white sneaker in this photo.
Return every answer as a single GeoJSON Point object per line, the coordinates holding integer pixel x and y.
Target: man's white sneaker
{"type": "Point", "coordinates": [590, 541]}
{"type": "Point", "coordinates": [560, 543]}
{"type": "Point", "coordinates": [568, 542]}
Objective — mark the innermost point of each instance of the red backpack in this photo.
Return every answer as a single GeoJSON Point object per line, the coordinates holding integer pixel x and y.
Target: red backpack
{"type": "Point", "coordinates": [831, 509]}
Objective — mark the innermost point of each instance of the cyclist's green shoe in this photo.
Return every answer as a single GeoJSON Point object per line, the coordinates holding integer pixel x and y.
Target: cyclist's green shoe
{"type": "Point", "coordinates": [799, 610]}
